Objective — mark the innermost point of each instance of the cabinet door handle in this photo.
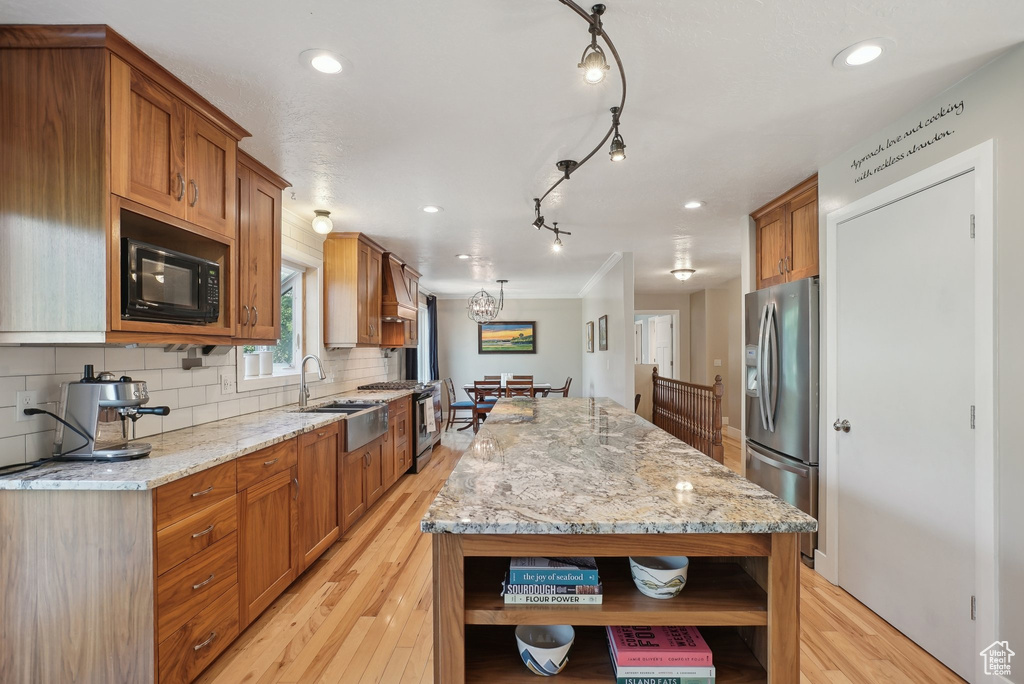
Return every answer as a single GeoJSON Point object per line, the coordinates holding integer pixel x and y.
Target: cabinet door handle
{"type": "Point", "coordinates": [255, 315]}
{"type": "Point", "coordinates": [321, 434]}
{"type": "Point", "coordinates": [205, 532]}
{"type": "Point", "coordinates": [204, 582]}
{"type": "Point", "coordinates": [366, 459]}
{"type": "Point", "coordinates": [788, 267]}
{"type": "Point", "coordinates": [267, 464]}
{"type": "Point", "coordinates": [205, 491]}
{"type": "Point", "coordinates": [295, 481]}
{"type": "Point", "coordinates": [246, 321]}
{"type": "Point", "coordinates": [181, 187]}
{"type": "Point", "coordinates": [780, 266]}
{"type": "Point", "coordinates": [209, 640]}
{"type": "Point", "coordinates": [195, 192]}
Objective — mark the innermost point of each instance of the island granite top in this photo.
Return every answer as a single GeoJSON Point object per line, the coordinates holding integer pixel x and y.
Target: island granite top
{"type": "Point", "coordinates": [590, 466]}
{"type": "Point", "coordinates": [183, 452]}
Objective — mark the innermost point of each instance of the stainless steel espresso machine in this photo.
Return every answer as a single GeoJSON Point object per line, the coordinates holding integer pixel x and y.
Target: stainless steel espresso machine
{"type": "Point", "coordinates": [94, 400]}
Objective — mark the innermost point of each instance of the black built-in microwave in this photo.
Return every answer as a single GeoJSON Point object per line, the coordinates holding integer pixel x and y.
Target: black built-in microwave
{"type": "Point", "coordinates": [162, 285]}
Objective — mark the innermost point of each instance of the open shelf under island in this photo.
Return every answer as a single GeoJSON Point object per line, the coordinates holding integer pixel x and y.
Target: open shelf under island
{"type": "Point", "coordinates": [586, 477]}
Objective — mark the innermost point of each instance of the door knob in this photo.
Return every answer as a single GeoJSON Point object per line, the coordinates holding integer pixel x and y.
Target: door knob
{"type": "Point", "coordinates": [844, 425]}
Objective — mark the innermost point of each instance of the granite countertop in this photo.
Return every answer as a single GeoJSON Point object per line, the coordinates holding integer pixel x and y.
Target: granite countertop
{"type": "Point", "coordinates": [590, 466]}
{"type": "Point", "coordinates": [180, 453]}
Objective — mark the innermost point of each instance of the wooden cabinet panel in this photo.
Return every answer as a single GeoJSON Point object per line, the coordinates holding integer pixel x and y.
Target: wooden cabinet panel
{"type": "Point", "coordinates": [412, 328]}
{"type": "Point", "coordinates": [368, 311]}
{"type": "Point", "coordinates": [187, 652]}
{"type": "Point", "coordinates": [803, 236]}
{"type": "Point", "coordinates": [190, 587]}
{"type": "Point", "coordinates": [787, 236]}
{"type": "Point", "coordinates": [147, 141]}
{"type": "Point", "coordinates": [181, 498]}
{"type": "Point", "coordinates": [267, 544]}
{"type": "Point", "coordinates": [318, 492]}
{"type": "Point", "coordinates": [262, 270]}
{"type": "Point", "coordinates": [375, 484]}
{"type": "Point", "coordinates": [210, 162]}
{"type": "Point", "coordinates": [260, 465]}
{"type": "Point", "coordinates": [182, 540]}
{"type": "Point", "coordinates": [388, 454]}
{"type": "Point", "coordinates": [352, 488]}
{"type": "Point", "coordinates": [771, 257]}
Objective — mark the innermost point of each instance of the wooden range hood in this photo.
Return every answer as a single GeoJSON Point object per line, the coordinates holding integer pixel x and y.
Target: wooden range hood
{"type": "Point", "coordinates": [396, 303]}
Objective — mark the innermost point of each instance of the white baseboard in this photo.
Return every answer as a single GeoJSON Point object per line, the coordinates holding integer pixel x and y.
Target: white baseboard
{"type": "Point", "coordinates": [732, 432]}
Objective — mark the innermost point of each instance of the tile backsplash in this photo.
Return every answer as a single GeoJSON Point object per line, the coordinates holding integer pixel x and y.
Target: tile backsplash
{"type": "Point", "coordinates": [194, 396]}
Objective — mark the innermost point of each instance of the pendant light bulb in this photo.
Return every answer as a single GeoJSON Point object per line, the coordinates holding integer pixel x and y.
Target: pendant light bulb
{"type": "Point", "coordinates": [617, 151]}
{"type": "Point", "coordinates": [558, 244]}
{"type": "Point", "coordinates": [322, 223]}
{"type": "Point", "coordinates": [594, 64]}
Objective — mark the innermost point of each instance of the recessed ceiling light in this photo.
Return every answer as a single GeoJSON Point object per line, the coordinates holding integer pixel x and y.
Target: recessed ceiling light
{"type": "Point", "coordinates": [324, 61]}
{"type": "Point", "coordinates": [683, 273]}
{"type": "Point", "coordinates": [432, 208]}
{"type": "Point", "coordinates": [464, 256]}
{"type": "Point", "coordinates": [864, 52]}
{"type": "Point", "coordinates": [693, 204]}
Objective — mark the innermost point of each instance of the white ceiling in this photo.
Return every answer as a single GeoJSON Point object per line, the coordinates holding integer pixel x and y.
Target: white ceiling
{"type": "Point", "coordinates": [469, 103]}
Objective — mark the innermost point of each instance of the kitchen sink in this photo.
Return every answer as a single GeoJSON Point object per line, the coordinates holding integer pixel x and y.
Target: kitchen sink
{"type": "Point", "coordinates": [363, 424]}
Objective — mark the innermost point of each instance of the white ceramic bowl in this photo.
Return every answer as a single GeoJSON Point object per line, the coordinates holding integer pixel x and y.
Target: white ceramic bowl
{"type": "Point", "coordinates": [661, 577]}
{"type": "Point", "coordinates": [545, 648]}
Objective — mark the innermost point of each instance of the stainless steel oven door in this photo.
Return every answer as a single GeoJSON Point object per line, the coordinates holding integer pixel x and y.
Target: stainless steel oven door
{"type": "Point", "coordinates": [793, 481]}
{"type": "Point", "coordinates": [420, 408]}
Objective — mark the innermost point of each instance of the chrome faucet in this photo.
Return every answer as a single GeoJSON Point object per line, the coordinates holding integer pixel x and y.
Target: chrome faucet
{"type": "Point", "coordinates": [303, 390]}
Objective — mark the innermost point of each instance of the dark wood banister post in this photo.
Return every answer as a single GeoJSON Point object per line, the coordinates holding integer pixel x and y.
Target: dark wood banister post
{"type": "Point", "coordinates": [717, 448]}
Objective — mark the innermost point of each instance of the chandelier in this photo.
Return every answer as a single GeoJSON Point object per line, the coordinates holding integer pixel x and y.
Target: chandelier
{"type": "Point", "coordinates": [594, 65]}
{"type": "Point", "coordinates": [483, 307]}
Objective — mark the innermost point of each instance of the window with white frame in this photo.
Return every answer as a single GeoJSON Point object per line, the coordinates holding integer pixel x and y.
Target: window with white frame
{"type": "Point", "coordinates": [288, 351]}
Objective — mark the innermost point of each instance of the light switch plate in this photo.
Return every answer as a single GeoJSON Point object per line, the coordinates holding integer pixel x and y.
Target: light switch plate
{"type": "Point", "coordinates": [718, 363]}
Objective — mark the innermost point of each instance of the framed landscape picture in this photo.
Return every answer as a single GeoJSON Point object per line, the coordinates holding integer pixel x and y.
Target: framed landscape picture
{"type": "Point", "coordinates": [507, 337]}
{"type": "Point", "coordinates": [590, 337]}
{"type": "Point", "coordinates": [602, 333]}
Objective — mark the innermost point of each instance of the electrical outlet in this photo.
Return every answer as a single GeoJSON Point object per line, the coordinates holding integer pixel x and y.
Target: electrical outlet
{"type": "Point", "coordinates": [718, 363]}
{"type": "Point", "coordinates": [227, 384]}
{"type": "Point", "coordinates": [26, 400]}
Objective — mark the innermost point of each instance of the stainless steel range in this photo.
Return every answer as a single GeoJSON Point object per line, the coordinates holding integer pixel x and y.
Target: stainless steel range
{"type": "Point", "coordinates": [426, 407]}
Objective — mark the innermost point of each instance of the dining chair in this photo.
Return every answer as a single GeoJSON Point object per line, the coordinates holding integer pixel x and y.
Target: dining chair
{"type": "Point", "coordinates": [492, 377]}
{"type": "Point", "coordinates": [484, 395]}
{"type": "Point", "coordinates": [522, 377]}
{"type": "Point", "coordinates": [519, 388]}
{"type": "Point", "coordinates": [563, 390]}
{"type": "Point", "coordinates": [636, 403]}
{"type": "Point", "coordinates": [455, 406]}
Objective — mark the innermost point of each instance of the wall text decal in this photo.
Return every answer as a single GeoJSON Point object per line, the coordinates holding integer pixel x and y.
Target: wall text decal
{"type": "Point", "coordinates": [868, 166]}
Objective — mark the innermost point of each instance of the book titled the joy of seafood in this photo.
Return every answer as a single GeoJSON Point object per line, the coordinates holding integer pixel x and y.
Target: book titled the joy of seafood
{"type": "Point", "coordinates": [575, 571]}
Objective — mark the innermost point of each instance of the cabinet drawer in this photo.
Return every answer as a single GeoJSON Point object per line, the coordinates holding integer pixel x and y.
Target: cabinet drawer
{"type": "Point", "coordinates": [185, 538]}
{"type": "Point", "coordinates": [264, 463]}
{"type": "Point", "coordinates": [315, 436]}
{"type": "Point", "coordinates": [402, 425]}
{"type": "Point", "coordinates": [184, 591]}
{"type": "Point", "coordinates": [187, 651]}
{"type": "Point", "coordinates": [178, 500]}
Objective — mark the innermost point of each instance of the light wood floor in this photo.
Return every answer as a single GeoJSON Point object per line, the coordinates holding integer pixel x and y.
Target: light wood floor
{"type": "Point", "coordinates": [362, 612]}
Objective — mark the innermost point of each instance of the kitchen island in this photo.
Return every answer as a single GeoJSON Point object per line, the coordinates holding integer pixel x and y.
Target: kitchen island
{"type": "Point", "coordinates": [587, 477]}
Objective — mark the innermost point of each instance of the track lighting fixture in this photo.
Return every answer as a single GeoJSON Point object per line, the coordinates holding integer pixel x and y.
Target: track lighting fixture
{"type": "Point", "coordinates": [618, 149]}
{"type": "Point", "coordinates": [594, 64]}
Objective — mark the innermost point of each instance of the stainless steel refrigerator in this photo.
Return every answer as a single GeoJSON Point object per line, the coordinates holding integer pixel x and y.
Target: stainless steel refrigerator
{"type": "Point", "coordinates": [781, 383]}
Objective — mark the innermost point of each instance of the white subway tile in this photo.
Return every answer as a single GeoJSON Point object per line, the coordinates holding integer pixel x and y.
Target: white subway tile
{"type": "Point", "coordinates": [9, 388]}
{"type": "Point", "coordinates": [213, 394]}
{"type": "Point", "coordinates": [27, 360]}
{"type": "Point", "coordinates": [48, 386]}
{"type": "Point", "coordinates": [73, 359]}
{"type": "Point", "coordinates": [154, 379]}
{"type": "Point", "coordinates": [204, 414]}
{"type": "Point", "coordinates": [158, 358]}
{"type": "Point", "coordinates": [204, 376]}
{"type": "Point", "coordinates": [147, 426]}
{"type": "Point", "coordinates": [177, 419]}
{"type": "Point", "coordinates": [124, 359]}
{"type": "Point", "coordinates": [9, 427]}
{"type": "Point", "coordinates": [268, 401]}
{"type": "Point", "coordinates": [227, 409]}
{"type": "Point", "coordinates": [40, 445]}
{"type": "Point", "coordinates": [12, 450]}
{"type": "Point", "coordinates": [167, 398]}
{"type": "Point", "coordinates": [191, 396]}
{"type": "Point", "coordinates": [249, 405]}
{"type": "Point", "coordinates": [173, 378]}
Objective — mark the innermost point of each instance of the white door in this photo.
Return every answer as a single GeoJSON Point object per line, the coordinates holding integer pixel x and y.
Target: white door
{"type": "Point", "coordinates": [638, 341]}
{"type": "Point", "coordinates": [905, 382]}
{"type": "Point", "coordinates": [661, 345]}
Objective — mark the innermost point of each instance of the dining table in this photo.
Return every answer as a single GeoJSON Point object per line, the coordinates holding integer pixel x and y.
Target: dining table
{"type": "Point", "coordinates": [539, 388]}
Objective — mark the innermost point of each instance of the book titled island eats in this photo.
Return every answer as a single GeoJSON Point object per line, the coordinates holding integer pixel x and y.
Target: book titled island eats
{"type": "Point", "coordinates": [573, 571]}
{"type": "Point", "coordinates": [658, 646]}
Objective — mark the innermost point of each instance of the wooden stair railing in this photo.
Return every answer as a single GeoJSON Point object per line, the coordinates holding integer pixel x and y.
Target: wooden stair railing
{"type": "Point", "coordinates": [692, 413]}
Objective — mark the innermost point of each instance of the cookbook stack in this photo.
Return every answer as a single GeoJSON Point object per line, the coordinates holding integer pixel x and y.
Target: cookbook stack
{"type": "Point", "coordinates": [572, 581]}
{"type": "Point", "coordinates": [660, 655]}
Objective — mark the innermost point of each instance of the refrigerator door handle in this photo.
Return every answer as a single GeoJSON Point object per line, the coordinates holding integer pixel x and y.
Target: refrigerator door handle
{"type": "Point", "coordinates": [802, 472]}
{"type": "Point", "coordinates": [760, 368]}
{"type": "Point", "coordinates": [773, 343]}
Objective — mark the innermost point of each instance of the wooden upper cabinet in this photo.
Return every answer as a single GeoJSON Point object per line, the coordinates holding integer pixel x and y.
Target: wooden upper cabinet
{"type": "Point", "coordinates": [147, 141]}
{"type": "Point", "coordinates": [210, 165]}
{"type": "Point", "coordinates": [404, 333]}
{"type": "Point", "coordinates": [318, 492]}
{"type": "Point", "coordinates": [352, 291]}
{"type": "Point", "coordinates": [787, 236]}
{"type": "Point", "coordinates": [167, 156]}
{"type": "Point", "coordinates": [259, 246]}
